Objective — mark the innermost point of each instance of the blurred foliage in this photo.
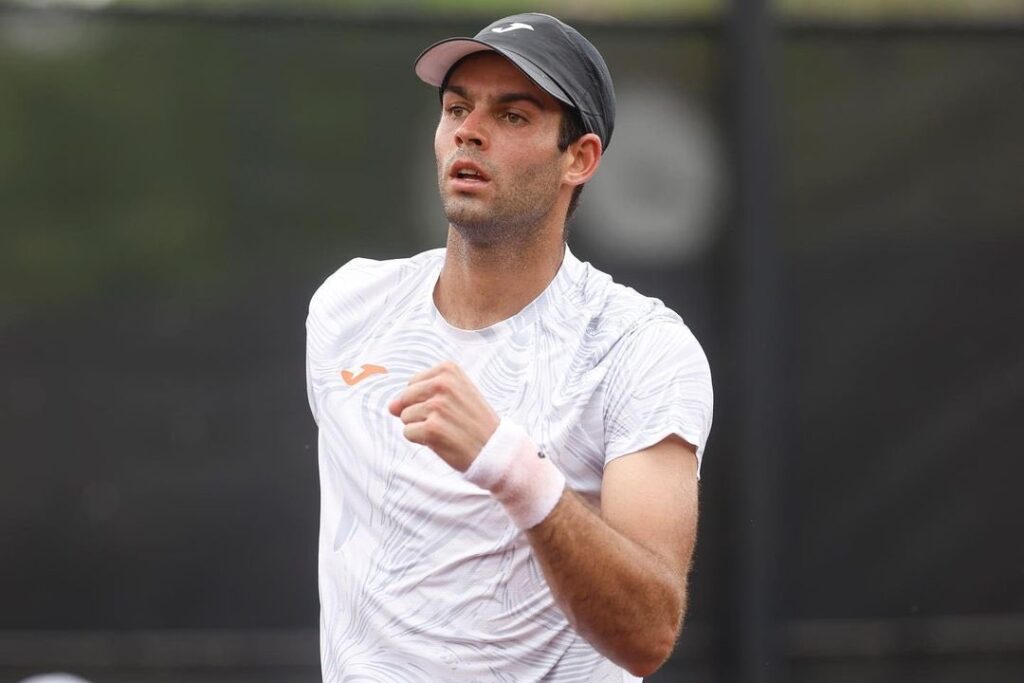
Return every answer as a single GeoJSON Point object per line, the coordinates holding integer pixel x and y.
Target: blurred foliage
{"type": "Point", "coordinates": [603, 9]}
{"type": "Point", "coordinates": [902, 9]}
{"type": "Point", "coordinates": [133, 166]}
{"type": "Point", "coordinates": [99, 185]}
{"type": "Point", "coordinates": [609, 9]}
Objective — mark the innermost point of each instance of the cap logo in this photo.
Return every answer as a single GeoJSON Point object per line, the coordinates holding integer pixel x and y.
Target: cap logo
{"type": "Point", "coordinates": [511, 27]}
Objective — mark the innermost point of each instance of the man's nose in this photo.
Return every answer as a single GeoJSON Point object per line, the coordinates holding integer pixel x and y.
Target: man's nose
{"type": "Point", "coordinates": [471, 131]}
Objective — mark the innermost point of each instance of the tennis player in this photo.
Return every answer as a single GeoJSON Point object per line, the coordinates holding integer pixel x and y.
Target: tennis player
{"type": "Point", "coordinates": [509, 441]}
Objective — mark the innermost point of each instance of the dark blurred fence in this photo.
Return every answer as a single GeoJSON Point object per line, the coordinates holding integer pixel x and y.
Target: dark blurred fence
{"type": "Point", "coordinates": [173, 187]}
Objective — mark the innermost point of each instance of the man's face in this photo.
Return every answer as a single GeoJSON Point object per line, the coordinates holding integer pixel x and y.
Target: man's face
{"type": "Point", "coordinates": [499, 169]}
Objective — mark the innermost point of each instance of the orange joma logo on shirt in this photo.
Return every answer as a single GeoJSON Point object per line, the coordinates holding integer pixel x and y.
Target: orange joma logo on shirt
{"type": "Point", "coordinates": [367, 370]}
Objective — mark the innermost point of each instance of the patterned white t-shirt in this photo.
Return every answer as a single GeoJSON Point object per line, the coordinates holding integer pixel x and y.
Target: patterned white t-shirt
{"type": "Point", "coordinates": [423, 577]}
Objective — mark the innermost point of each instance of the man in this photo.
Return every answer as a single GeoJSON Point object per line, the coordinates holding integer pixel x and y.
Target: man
{"type": "Point", "coordinates": [509, 441]}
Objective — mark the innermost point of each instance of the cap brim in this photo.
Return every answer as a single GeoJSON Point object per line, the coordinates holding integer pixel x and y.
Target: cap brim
{"type": "Point", "coordinates": [436, 61]}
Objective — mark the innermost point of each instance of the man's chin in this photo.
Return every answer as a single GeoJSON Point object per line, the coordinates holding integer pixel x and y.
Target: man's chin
{"type": "Point", "coordinates": [471, 215]}
{"type": "Point", "coordinates": [473, 228]}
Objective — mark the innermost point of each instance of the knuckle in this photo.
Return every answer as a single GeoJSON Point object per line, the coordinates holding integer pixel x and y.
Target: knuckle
{"type": "Point", "coordinates": [432, 428]}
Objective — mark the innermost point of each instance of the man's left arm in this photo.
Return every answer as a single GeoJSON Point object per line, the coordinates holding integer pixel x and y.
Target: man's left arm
{"type": "Point", "coordinates": [620, 575]}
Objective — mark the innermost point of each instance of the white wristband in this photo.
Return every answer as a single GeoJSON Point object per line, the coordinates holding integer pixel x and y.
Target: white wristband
{"type": "Point", "coordinates": [522, 478]}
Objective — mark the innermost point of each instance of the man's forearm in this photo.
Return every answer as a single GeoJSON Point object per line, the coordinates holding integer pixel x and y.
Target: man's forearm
{"type": "Point", "coordinates": [624, 599]}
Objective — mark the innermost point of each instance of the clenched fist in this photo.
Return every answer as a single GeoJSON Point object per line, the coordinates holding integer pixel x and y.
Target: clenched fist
{"type": "Point", "coordinates": [443, 410]}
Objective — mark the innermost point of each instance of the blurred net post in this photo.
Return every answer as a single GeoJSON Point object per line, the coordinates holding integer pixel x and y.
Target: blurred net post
{"type": "Point", "coordinates": [758, 322]}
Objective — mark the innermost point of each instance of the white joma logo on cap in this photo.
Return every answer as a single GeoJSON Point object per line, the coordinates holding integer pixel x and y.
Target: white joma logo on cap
{"type": "Point", "coordinates": [511, 27]}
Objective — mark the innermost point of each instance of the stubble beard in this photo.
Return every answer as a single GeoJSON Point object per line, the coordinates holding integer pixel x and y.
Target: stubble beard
{"type": "Point", "coordinates": [512, 216]}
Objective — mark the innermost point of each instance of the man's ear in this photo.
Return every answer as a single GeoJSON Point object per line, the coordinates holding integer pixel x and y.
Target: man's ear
{"type": "Point", "coordinates": [584, 156]}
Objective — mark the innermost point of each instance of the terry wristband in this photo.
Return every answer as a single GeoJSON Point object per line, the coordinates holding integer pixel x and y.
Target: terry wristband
{"type": "Point", "coordinates": [514, 470]}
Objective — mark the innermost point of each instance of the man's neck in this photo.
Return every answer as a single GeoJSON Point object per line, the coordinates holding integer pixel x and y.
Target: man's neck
{"type": "Point", "coordinates": [482, 285]}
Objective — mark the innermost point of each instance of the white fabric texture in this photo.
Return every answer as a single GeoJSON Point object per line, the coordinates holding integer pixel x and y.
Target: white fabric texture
{"type": "Point", "coordinates": [423, 575]}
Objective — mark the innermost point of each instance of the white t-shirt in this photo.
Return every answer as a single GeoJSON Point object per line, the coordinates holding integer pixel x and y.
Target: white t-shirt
{"type": "Point", "coordinates": [423, 577]}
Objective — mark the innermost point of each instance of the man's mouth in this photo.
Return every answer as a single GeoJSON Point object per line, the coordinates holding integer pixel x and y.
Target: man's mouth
{"type": "Point", "coordinates": [468, 173]}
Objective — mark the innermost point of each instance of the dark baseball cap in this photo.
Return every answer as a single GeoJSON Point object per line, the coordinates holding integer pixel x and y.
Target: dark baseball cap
{"type": "Point", "coordinates": [551, 53]}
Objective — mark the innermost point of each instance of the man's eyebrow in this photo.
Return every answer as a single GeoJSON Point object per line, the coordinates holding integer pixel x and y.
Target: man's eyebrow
{"type": "Point", "coordinates": [520, 96]}
{"type": "Point", "coordinates": [457, 89]}
{"type": "Point", "coordinates": [502, 99]}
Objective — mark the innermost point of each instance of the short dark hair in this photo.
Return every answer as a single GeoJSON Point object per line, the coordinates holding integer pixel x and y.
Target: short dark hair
{"type": "Point", "coordinates": [569, 132]}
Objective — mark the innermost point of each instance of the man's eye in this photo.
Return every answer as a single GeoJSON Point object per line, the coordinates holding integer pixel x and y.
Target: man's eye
{"type": "Point", "coordinates": [457, 110]}
{"type": "Point", "coordinates": [512, 117]}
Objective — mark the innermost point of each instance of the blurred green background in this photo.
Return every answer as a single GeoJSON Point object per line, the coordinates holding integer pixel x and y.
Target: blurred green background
{"type": "Point", "coordinates": [177, 178]}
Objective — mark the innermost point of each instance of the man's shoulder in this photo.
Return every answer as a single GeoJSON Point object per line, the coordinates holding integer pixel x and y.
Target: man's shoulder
{"type": "Point", "coordinates": [655, 379]}
{"type": "Point", "coordinates": [364, 280]}
{"type": "Point", "coordinates": [617, 311]}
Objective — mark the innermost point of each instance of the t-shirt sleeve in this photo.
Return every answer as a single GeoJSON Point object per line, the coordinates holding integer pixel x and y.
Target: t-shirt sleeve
{"type": "Point", "coordinates": [658, 384]}
{"type": "Point", "coordinates": [309, 391]}
{"type": "Point", "coordinates": [335, 313]}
